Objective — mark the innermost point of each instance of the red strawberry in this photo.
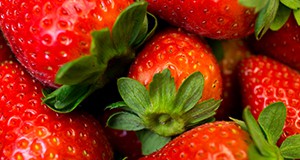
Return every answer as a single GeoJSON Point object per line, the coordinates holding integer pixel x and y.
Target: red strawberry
{"type": "Point", "coordinates": [228, 140]}
{"type": "Point", "coordinates": [76, 46]}
{"type": "Point", "coordinates": [30, 130]}
{"type": "Point", "coordinates": [216, 140]}
{"type": "Point", "coordinates": [45, 34]}
{"type": "Point", "coordinates": [173, 85]}
{"type": "Point", "coordinates": [214, 19]}
{"type": "Point", "coordinates": [182, 53]}
{"type": "Point", "coordinates": [282, 45]}
{"type": "Point", "coordinates": [263, 81]}
{"type": "Point", "coordinates": [231, 53]}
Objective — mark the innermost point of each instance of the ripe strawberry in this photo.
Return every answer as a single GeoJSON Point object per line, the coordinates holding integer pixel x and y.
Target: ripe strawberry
{"type": "Point", "coordinates": [263, 81]}
{"type": "Point", "coordinates": [45, 34]}
{"type": "Point", "coordinates": [76, 46]}
{"type": "Point", "coordinates": [230, 53]}
{"type": "Point", "coordinates": [228, 140]}
{"type": "Point", "coordinates": [224, 19]}
{"type": "Point", "coordinates": [182, 53]}
{"type": "Point", "coordinates": [30, 130]}
{"type": "Point", "coordinates": [282, 45]}
{"type": "Point", "coordinates": [215, 140]}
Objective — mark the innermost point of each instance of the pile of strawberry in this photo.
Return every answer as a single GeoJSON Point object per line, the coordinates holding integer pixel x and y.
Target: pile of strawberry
{"type": "Point", "coordinates": [168, 79]}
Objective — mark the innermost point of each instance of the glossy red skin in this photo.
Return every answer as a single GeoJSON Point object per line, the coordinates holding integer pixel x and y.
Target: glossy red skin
{"type": "Point", "coordinates": [30, 130]}
{"type": "Point", "coordinates": [211, 141]}
{"type": "Point", "coordinates": [263, 81]}
{"type": "Point", "coordinates": [233, 52]}
{"type": "Point", "coordinates": [183, 54]}
{"type": "Point", "coordinates": [282, 45]}
{"type": "Point", "coordinates": [125, 143]}
{"type": "Point", "coordinates": [218, 19]}
{"type": "Point", "coordinates": [46, 34]}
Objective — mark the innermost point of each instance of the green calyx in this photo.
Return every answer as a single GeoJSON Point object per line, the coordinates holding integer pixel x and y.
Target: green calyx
{"type": "Point", "coordinates": [272, 14]}
{"type": "Point", "coordinates": [161, 112]}
{"type": "Point", "coordinates": [266, 131]}
{"type": "Point", "coordinates": [111, 52]}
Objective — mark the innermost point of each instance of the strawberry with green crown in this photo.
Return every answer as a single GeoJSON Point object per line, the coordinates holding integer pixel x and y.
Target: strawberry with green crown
{"type": "Point", "coordinates": [234, 140]}
{"type": "Point", "coordinates": [76, 46]}
{"type": "Point", "coordinates": [263, 81]}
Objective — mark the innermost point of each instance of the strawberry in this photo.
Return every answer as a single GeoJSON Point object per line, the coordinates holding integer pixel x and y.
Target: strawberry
{"type": "Point", "coordinates": [264, 80]}
{"type": "Point", "coordinates": [224, 19]}
{"type": "Point", "coordinates": [230, 140]}
{"type": "Point", "coordinates": [183, 54]}
{"type": "Point", "coordinates": [282, 45]}
{"type": "Point", "coordinates": [30, 130]}
{"type": "Point", "coordinates": [76, 46]}
{"type": "Point", "coordinates": [229, 54]}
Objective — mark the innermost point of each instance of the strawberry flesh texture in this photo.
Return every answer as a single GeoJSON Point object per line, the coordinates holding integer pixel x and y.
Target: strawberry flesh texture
{"type": "Point", "coordinates": [29, 129]}
{"type": "Point", "coordinates": [183, 54]}
{"type": "Point", "coordinates": [263, 81]}
{"type": "Point", "coordinates": [46, 34]}
{"type": "Point", "coordinates": [217, 140]}
{"type": "Point", "coordinates": [224, 19]}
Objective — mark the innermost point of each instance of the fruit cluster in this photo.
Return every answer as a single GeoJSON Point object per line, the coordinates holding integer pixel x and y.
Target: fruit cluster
{"type": "Point", "coordinates": [149, 79]}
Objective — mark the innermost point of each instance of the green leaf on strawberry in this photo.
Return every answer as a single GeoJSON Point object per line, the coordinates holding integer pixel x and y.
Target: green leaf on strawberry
{"type": "Point", "coordinates": [266, 131]}
{"type": "Point", "coordinates": [272, 14]}
{"type": "Point", "coordinates": [111, 52]}
{"type": "Point", "coordinates": [162, 111]}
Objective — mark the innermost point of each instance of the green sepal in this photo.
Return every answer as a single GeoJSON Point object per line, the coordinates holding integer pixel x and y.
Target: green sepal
{"type": "Point", "coordinates": [162, 98]}
{"type": "Point", "coordinates": [297, 16]}
{"type": "Point", "coordinates": [151, 141]}
{"type": "Point", "coordinates": [111, 53]}
{"type": "Point", "coordinates": [162, 109]}
{"type": "Point", "coordinates": [292, 4]}
{"type": "Point", "coordinates": [125, 121]}
{"type": "Point", "coordinates": [257, 4]}
{"type": "Point", "coordinates": [290, 147]}
{"type": "Point", "coordinates": [134, 94]}
{"type": "Point", "coordinates": [281, 17]}
{"type": "Point", "coordinates": [67, 98]}
{"type": "Point", "coordinates": [265, 18]}
{"type": "Point", "coordinates": [256, 132]}
{"type": "Point", "coordinates": [272, 120]}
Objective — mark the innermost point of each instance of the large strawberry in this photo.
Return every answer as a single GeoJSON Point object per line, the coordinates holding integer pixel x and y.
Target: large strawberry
{"type": "Point", "coordinates": [222, 19]}
{"type": "Point", "coordinates": [282, 45]}
{"type": "Point", "coordinates": [183, 54]}
{"type": "Point", "coordinates": [30, 130]}
{"type": "Point", "coordinates": [80, 45]}
{"type": "Point", "coordinates": [263, 81]}
{"type": "Point", "coordinates": [228, 140]}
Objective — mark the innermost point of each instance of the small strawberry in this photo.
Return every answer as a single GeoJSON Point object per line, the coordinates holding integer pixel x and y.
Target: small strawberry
{"type": "Point", "coordinates": [76, 46]}
{"type": "Point", "coordinates": [224, 19]}
{"type": "Point", "coordinates": [30, 130]}
{"type": "Point", "coordinates": [228, 140]}
{"type": "Point", "coordinates": [183, 54]}
{"type": "Point", "coordinates": [282, 45]}
{"type": "Point", "coordinates": [264, 81]}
